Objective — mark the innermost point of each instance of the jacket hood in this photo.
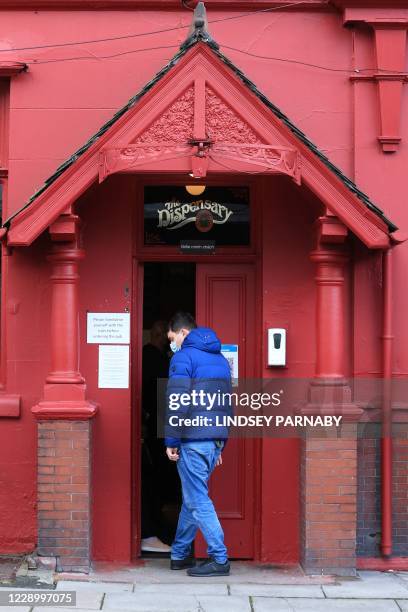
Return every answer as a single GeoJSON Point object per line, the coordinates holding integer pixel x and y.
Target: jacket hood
{"type": "Point", "coordinates": [204, 339]}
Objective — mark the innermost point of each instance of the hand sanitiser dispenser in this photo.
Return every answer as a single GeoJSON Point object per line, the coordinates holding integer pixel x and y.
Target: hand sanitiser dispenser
{"type": "Point", "coordinates": [276, 346]}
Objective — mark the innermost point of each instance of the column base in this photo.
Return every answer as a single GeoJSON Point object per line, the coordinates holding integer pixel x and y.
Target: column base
{"type": "Point", "coordinates": [65, 410]}
{"type": "Point", "coordinates": [329, 483]}
{"type": "Point", "coordinates": [64, 482]}
{"type": "Point", "coordinates": [329, 486]}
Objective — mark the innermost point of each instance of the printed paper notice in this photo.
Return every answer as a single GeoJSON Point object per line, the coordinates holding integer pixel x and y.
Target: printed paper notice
{"type": "Point", "coordinates": [113, 371]}
{"type": "Point", "coordinates": [108, 327]}
{"type": "Point", "coordinates": [230, 352]}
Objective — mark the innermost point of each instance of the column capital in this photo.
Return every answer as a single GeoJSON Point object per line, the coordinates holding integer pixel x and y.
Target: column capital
{"type": "Point", "coordinates": [330, 230]}
{"type": "Point", "coordinates": [65, 228]}
{"type": "Point", "coordinates": [329, 256]}
{"type": "Point", "coordinates": [65, 251]}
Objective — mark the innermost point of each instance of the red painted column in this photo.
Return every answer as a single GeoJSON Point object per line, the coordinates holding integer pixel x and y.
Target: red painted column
{"type": "Point", "coordinates": [65, 417]}
{"type": "Point", "coordinates": [330, 313]}
{"type": "Point", "coordinates": [329, 463]}
{"type": "Point", "coordinates": [65, 259]}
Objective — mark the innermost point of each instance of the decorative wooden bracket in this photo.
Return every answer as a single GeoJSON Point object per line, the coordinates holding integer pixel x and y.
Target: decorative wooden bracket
{"type": "Point", "coordinates": [390, 36]}
{"type": "Point", "coordinates": [199, 159]}
{"type": "Point", "coordinates": [131, 157]}
{"type": "Point", "coordinates": [270, 159]}
{"type": "Point", "coordinates": [329, 229]}
{"type": "Point", "coordinates": [267, 158]}
{"type": "Point", "coordinates": [390, 44]}
{"type": "Point", "coordinates": [65, 228]}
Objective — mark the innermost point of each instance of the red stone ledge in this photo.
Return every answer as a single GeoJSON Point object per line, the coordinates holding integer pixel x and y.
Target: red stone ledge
{"type": "Point", "coordinates": [65, 410]}
{"type": "Point", "coordinates": [398, 564]}
{"type": "Point", "coordinates": [10, 405]}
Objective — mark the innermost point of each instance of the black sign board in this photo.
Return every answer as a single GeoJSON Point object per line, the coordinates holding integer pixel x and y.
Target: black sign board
{"type": "Point", "coordinates": [219, 214]}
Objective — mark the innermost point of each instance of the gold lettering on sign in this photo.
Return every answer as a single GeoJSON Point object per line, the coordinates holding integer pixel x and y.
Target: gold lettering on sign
{"type": "Point", "coordinates": [175, 214]}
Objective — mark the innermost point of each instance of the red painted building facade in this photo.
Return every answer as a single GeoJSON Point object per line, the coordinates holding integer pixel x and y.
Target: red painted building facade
{"type": "Point", "coordinates": [303, 106]}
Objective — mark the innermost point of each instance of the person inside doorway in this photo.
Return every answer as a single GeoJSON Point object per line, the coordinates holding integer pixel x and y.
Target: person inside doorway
{"type": "Point", "coordinates": [197, 365]}
{"type": "Point", "coordinates": [155, 364]}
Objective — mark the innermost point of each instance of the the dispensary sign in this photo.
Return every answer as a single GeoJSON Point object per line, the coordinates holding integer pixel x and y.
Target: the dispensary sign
{"type": "Point", "coordinates": [221, 214]}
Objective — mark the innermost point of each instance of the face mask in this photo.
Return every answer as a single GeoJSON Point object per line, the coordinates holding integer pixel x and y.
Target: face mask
{"type": "Point", "coordinates": [174, 347]}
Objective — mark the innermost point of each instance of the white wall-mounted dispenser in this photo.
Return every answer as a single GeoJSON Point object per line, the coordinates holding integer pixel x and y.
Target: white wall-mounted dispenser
{"type": "Point", "coordinates": [276, 346]}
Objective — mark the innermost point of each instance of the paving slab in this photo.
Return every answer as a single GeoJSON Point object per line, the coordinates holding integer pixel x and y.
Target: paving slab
{"type": "Point", "coordinates": [202, 588]}
{"type": "Point", "coordinates": [276, 590]}
{"type": "Point", "coordinates": [209, 603]}
{"type": "Point", "coordinates": [369, 584]}
{"type": "Point", "coordinates": [151, 602]}
{"type": "Point", "coordinates": [61, 609]}
{"type": "Point", "coordinates": [23, 607]}
{"type": "Point", "coordinates": [374, 575]}
{"type": "Point", "coordinates": [159, 602]}
{"type": "Point", "coordinates": [403, 604]}
{"type": "Point", "coordinates": [103, 587]}
{"type": "Point", "coordinates": [89, 599]}
{"type": "Point", "coordinates": [267, 604]}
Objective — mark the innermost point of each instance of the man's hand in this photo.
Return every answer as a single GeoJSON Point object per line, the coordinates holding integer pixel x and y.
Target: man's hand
{"type": "Point", "coordinates": [172, 453]}
{"type": "Point", "coordinates": [219, 460]}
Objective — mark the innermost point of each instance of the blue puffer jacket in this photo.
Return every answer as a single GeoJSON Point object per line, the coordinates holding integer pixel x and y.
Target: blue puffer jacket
{"type": "Point", "coordinates": [201, 368]}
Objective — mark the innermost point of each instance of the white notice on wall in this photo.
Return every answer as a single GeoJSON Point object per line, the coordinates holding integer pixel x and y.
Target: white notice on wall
{"type": "Point", "coordinates": [108, 327]}
{"type": "Point", "coordinates": [113, 371]}
{"type": "Point", "coordinates": [230, 352]}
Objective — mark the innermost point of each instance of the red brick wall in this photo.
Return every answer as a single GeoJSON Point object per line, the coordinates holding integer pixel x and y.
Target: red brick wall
{"type": "Point", "coordinates": [369, 493]}
{"type": "Point", "coordinates": [328, 502]}
{"type": "Point", "coordinates": [64, 492]}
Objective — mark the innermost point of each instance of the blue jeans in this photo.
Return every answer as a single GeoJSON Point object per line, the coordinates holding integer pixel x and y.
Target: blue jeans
{"type": "Point", "coordinates": [197, 461]}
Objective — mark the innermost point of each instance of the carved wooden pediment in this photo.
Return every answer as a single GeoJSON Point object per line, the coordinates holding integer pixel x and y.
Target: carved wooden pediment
{"type": "Point", "coordinates": [202, 129]}
{"type": "Point", "coordinates": [199, 116]}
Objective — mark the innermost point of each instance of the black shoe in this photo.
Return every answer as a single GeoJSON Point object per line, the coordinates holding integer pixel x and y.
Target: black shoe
{"type": "Point", "coordinates": [178, 564]}
{"type": "Point", "coordinates": [210, 567]}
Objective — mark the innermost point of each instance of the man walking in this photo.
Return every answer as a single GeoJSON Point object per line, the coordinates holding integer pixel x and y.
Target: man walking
{"type": "Point", "coordinates": [198, 369]}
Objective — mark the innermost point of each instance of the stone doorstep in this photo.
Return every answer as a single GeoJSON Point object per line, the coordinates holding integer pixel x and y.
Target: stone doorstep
{"type": "Point", "coordinates": [248, 579]}
{"type": "Point", "coordinates": [156, 571]}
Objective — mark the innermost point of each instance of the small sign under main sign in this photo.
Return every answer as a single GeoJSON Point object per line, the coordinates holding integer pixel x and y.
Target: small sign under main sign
{"type": "Point", "coordinates": [197, 246]}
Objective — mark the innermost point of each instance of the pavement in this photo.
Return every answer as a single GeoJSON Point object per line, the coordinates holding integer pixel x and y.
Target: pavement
{"type": "Point", "coordinates": [149, 586]}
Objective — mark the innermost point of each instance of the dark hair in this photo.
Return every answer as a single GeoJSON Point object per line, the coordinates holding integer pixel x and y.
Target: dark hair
{"type": "Point", "coordinates": [181, 319]}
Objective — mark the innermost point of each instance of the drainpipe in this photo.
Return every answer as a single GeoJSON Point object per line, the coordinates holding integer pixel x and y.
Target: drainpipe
{"type": "Point", "coordinates": [386, 436]}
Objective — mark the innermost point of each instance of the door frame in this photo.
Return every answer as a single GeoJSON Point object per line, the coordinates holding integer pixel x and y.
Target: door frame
{"type": "Point", "coordinates": [160, 254]}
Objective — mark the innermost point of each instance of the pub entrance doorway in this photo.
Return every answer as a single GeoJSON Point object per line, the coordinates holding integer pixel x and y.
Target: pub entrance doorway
{"type": "Point", "coordinates": [221, 296]}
